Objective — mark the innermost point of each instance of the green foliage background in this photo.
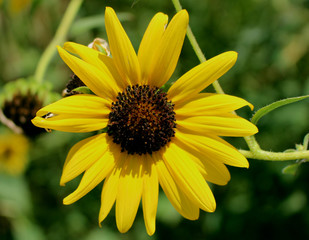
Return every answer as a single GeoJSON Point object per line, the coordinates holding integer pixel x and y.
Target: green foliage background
{"type": "Point", "coordinates": [272, 39]}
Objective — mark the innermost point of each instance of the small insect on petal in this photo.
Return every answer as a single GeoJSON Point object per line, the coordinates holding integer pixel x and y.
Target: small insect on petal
{"type": "Point", "coordinates": [46, 116]}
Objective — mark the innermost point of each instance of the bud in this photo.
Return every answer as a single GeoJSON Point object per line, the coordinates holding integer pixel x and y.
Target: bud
{"type": "Point", "coordinates": [100, 45]}
{"type": "Point", "coordinates": [72, 86]}
{"type": "Point", "coordinates": [19, 102]}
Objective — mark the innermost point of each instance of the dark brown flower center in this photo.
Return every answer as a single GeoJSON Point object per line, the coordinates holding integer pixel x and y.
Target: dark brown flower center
{"type": "Point", "coordinates": [142, 119]}
{"type": "Point", "coordinates": [21, 109]}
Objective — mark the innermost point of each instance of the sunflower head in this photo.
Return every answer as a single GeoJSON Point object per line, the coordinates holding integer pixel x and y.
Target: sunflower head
{"type": "Point", "coordinates": [13, 153]}
{"type": "Point", "coordinates": [20, 100]}
{"type": "Point", "coordinates": [148, 137]}
{"type": "Point", "coordinates": [142, 120]}
{"type": "Point", "coordinates": [73, 86]}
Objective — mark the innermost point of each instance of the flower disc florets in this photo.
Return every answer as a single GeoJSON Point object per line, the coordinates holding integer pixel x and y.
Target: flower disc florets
{"type": "Point", "coordinates": [142, 119]}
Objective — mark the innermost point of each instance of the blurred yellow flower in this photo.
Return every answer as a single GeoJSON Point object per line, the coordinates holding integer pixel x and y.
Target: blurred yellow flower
{"type": "Point", "coordinates": [13, 153]}
{"type": "Point", "coordinates": [16, 6]}
{"type": "Point", "coordinates": [151, 137]}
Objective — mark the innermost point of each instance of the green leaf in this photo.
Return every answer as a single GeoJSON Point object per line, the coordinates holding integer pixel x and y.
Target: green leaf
{"type": "Point", "coordinates": [291, 169]}
{"type": "Point", "coordinates": [267, 109]}
{"type": "Point", "coordinates": [83, 89]}
{"type": "Point", "coordinates": [306, 141]}
{"type": "Point", "coordinates": [103, 130]}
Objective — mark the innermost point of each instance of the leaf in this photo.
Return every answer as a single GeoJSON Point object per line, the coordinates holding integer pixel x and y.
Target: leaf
{"type": "Point", "coordinates": [306, 141]}
{"type": "Point", "coordinates": [291, 169]}
{"type": "Point", "coordinates": [83, 89]}
{"type": "Point", "coordinates": [267, 109]}
{"type": "Point", "coordinates": [103, 130]}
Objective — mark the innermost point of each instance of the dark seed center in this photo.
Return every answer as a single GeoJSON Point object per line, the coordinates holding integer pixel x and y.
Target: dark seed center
{"type": "Point", "coordinates": [142, 119]}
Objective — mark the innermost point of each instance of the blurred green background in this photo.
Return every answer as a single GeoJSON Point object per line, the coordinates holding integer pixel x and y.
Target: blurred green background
{"type": "Point", "coordinates": [272, 39]}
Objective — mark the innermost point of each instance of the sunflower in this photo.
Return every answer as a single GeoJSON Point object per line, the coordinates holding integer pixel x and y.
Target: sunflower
{"type": "Point", "coordinates": [16, 6]}
{"type": "Point", "coordinates": [149, 137]}
{"type": "Point", "coordinates": [13, 153]}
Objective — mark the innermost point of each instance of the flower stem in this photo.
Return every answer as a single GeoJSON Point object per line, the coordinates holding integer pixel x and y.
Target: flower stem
{"type": "Point", "coordinates": [196, 47]}
{"type": "Point", "coordinates": [59, 38]}
{"type": "Point", "coordinates": [251, 142]}
{"type": "Point", "coordinates": [275, 156]}
{"type": "Point", "coordinates": [9, 123]}
{"type": "Point", "coordinates": [255, 151]}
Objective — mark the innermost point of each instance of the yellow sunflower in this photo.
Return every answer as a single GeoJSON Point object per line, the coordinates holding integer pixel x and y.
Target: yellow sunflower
{"type": "Point", "coordinates": [16, 6]}
{"type": "Point", "coordinates": [151, 137]}
{"type": "Point", "coordinates": [13, 153]}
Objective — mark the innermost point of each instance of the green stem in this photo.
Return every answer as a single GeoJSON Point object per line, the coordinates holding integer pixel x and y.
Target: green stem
{"type": "Point", "coordinates": [251, 142]}
{"type": "Point", "coordinates": [275, 156]}
{"type": "Point", "coordinates": [196, 47]}
{"type": "Point", "coordinates": [255, 151]}
{"type": "Point", "coordinates": [58, 39]}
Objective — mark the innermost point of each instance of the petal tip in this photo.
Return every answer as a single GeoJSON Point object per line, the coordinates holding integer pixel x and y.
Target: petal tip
{"type": "Point", "coordinates": [151, 232]}
{"type": "Point", "coordinates": [59, 48]}
{"type": "Point", "coordinates": [61, 51]}
{"type": "Point", "coordinates": [36, 121]}
{"type": "Point", "coordinates": [183, 14]}
{"type": "Point", "coordinates": [247, 166]}
{"type": "Point", "coordinates": [213, 207]}
{"type": "Point", "coordinates": [210, 208]}
{"type": "Point", "coordinates": [67, 200]}
{"type": "Point", "coordinates": [109, 10]}
{"type": "Point", "coordinates": [251, 106]}
{"type": "Point", "coordinates": [255, 130]}
{"type": "Point", "coordinates": [233, 55]}
{"type": "Point", "coordinates": [122, 229]}
{"type": "Point", "coordinates": [62, 181]}
{"type": "Point", "coordinates": [67, 45]}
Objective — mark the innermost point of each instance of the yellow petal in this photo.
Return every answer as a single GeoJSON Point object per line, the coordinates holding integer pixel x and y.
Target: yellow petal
{"type": "Point", "coordinates": [66, 124]}
{"type": "Point", "coordinates": [82, 155]}
{"type": "Point", "coordinates": [189, 179]}
{"type": "Point", "coordinates": [212, 105]}
{"type": "Point", "coordinates": [173, 192]}
{"type": "Point", "coordinates": [110, 189]}
{"type": "Point", "coordinates": [221, 125]}
{"type": "Point", "coordinates": [98, 81]}
{"type": "Point", "coordinates": [97, 59]}
{"type": "Point", "coordinates": [213, 148]}
{"type": "Point", "coordinates": [95, 174]}
{"type": "Point", "coordinates": [129, 192]}
{"type": "Point", "coordinates": [150, 42]}
{"type": "Point", "coordinates": [78, 113]}
{"type": "Point", "coordinates": [78, 105]}
{"type": "Point", "coordinates": [213, 170]}
{"type": "Point", "coordinates": [150, 194]}
{"type": "Point", "coordinates": [122, 50]}
{"type": "Point", "coordinates": [201, 77]}
{"type": "Point", "coordinates": [166, 56]}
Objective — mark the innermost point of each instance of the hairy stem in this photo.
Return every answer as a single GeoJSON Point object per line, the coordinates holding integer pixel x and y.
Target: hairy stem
{"type": "Point", "coordinates": [196, 47]}
{"type": "Point", "coordinates": [275, 156]}
{"type": "Point", "coordinates": [251, 142]}
{"type": "Point", "coordinates": [255, 151]}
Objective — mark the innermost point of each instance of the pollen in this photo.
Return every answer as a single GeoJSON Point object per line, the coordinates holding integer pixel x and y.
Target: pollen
{"type": "Point", "coordinates": [142, 119]}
